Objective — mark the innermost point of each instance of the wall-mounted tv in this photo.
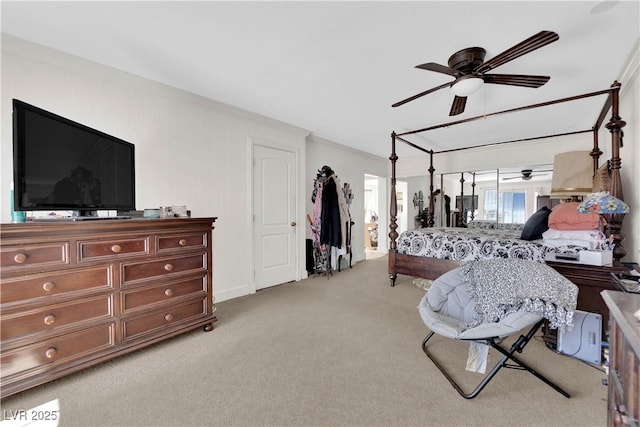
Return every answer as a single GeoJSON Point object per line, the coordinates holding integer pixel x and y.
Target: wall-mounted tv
{"type": "Point", "coordinates": [62, 165]}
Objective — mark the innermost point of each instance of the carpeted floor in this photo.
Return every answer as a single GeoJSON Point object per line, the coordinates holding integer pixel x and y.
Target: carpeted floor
{"type": "Point", "coordinates": [337, 351]}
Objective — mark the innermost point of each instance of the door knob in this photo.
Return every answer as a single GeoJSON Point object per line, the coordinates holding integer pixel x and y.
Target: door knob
{"type": "Point", "coordinates": [293, 223]}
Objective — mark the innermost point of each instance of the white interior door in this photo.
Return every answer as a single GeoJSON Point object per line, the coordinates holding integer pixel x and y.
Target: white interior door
{"type": "Point", "coordinates": [274, 206]}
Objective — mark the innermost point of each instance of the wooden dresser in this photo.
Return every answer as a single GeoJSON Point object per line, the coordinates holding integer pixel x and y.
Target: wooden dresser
{"type": "Point", "coordinates": [591, 281]}
{"type": "Point", "coordinates": [624, 359]}
{"type": "Point", "coordinates": [74, 294]}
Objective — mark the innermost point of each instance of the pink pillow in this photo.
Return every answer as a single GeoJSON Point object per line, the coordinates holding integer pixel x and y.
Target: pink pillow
{"type": "Point", "coordinates": [566, 217]}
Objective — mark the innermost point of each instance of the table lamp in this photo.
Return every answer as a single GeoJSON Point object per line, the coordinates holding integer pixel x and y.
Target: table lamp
{"type": "Point", "coordinates": [572, 175]}
{"type": "Point", "coordinates": [613, 210]}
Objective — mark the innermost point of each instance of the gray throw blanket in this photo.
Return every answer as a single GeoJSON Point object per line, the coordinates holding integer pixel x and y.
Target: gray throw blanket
{"type": "Point", "coordinates": [503, 286]}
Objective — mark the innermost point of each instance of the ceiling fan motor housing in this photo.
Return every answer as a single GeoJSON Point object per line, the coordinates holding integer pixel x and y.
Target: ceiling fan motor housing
{"type": "Point", "coordinates": [466, 60]}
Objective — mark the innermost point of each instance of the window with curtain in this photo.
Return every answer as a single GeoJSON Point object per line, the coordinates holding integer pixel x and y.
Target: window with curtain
{"type": "Point", "coordinates": [511, 208]}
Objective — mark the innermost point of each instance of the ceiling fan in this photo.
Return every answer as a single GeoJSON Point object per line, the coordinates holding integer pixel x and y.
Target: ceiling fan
{"type": "Point", "coordinates": [469, 67]}
{"type": "Point", "coordinates": [527, 174]}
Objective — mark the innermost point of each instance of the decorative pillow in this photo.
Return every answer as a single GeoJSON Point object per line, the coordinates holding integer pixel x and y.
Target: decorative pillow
{"type": "Point", "coordinates": [565, 216]}
{"type": "Point", "coordinates": [537, 224]}
{"type": "Point", "coordinates": [602, 178]}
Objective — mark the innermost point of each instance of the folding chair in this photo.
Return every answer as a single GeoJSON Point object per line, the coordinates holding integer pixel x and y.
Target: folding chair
{"type": "Point", "coordinates": [448, 309]}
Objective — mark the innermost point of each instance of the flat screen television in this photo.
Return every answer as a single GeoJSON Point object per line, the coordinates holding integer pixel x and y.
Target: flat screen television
{"type": "Point", "coordinates": [61, 165]}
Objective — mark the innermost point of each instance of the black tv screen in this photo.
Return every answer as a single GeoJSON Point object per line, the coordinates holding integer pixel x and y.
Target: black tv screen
{"type": "Point", "coordinates": [59, 164]}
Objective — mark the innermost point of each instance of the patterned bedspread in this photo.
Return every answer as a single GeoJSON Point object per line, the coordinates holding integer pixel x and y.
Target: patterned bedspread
{"type": "Point", "coordinates": [469, 244]}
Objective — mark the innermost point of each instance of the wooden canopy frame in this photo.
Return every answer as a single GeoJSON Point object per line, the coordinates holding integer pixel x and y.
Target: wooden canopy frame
{"type": "Point", "coordinates": [425, 267]}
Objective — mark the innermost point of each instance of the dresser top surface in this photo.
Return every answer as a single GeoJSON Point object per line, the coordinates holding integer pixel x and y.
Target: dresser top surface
{"type": "Point", "coordinates": [99, 226]}
{"type": "Point", "coordinates": [624, 308]}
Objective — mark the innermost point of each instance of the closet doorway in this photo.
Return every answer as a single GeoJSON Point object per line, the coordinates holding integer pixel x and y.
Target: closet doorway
{"type": "Point", "coordinates": [371, 220]}
{"type": "Point", "coordinates": [402, 203]}
{"type": "Point", "coordinates": [274, 215]}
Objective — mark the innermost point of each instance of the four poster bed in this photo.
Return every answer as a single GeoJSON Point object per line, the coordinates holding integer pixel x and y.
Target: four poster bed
{"type": "Point", "coordinates": [430, 252]}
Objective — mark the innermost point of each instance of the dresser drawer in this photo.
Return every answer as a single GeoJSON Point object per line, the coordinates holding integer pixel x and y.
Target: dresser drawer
{"type": "Point", "coordinates": [132, 272]}
{"type": "Point", "coordinates": [31, 322]}
{"type": "Point", "coordinates": [45, 254]}
{"type": "Point", "coordinates": [162, 319]}
{"type": "Point", "coordinates": [57, 350]}
{"type": "Point", "coordinates": [136, 298]}
{"type": "Point", "coordinates": [56, 283]}
{"type": "Point", "coordinates": [183, 241]}
{"type": "Point", "coordinates": [112, 248]}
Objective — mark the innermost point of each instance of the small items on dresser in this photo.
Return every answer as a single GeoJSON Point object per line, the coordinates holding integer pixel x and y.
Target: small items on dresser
{"type": "Point", "coordinates": [174, 212]}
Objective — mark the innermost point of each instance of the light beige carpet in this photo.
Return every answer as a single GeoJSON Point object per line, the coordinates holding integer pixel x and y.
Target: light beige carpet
{"type": "Point", "coordinates": [337, 351]}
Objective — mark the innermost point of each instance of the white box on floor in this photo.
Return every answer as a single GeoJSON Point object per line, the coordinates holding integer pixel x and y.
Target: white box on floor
{"type": "Point", "coordinates": [596, 257]}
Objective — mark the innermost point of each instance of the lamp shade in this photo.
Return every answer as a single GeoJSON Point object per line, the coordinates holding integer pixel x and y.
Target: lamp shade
{"type": "Point", "coordinates": [572, 175]}
{"type": "Point", "coordinates": [467, 85]}
{"type": "Point", "coordinates": [603, 203]}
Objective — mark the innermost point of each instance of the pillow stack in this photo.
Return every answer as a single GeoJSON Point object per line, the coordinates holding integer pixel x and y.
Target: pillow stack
{"type": "Point", "coordinates": [568, 226]}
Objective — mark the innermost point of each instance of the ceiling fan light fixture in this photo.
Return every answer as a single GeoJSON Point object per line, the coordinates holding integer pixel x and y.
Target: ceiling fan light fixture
{"type": "Point", "coordinates": [467, 85]}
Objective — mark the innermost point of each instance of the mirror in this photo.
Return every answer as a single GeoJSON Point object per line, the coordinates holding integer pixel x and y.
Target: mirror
{"type": "Point", "coordinates": [501, 195]}
{"type": "Point", "coordinates": [468, 191]}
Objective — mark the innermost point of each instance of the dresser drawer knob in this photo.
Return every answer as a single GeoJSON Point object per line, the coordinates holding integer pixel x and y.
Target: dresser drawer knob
{"type": "Point", "coordinates": [116, 249]}
{"type": "Point", "coordinates": [168, 267]}
{"type": "Point", "coordinates": [20, 258]}
{"type": "Point", "coordinates": [51, 352]}
{"type": "Point", "coordinates": [182, 242]}
{"type": "Point", "coordinates": [48, 286]}
{"type": "Point", "coordinates": [168, 292]}
{"type": "Point", "coordinates": [168, 317]}
{"type": "Point", "coordinates": [49, 319]}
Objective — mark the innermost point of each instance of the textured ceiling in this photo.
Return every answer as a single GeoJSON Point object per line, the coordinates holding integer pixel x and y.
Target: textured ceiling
{"type": "Point", "coordinates": [334, 68]}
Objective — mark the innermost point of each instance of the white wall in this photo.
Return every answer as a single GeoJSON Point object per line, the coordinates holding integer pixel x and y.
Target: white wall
{"type": "Point", "coordinates": [630, 152]}
{"type": "Point", "coordinates": [189, 150]}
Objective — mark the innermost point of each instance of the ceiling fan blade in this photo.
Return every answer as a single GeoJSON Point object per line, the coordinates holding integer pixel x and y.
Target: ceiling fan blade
{"type": "Point", "coordinates": [534, 42]}
{"type": "Point", "coordinates": [516, 80]}
{"type": "Point", "coordinates": [513, 177]}
{"type": "Point", "coordinates": [432, 66]}
{"type": "Point", "coordinates": [458, 105]}
{"type": "Point", "coordinates": [426, 92]}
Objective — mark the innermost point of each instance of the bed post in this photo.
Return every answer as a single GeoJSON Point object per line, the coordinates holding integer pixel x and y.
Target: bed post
{"type": "Point", "coordinates": [595, 152]}
{"type": "Point", "coordinates": [431, 220]}
{"type": "Point", "coordinates": [615, 126]}
{"type": "Point", "coordinates": [459, 219]}
{"type": "Point", "coordinates": [473, 196]}
{"type": "Point", "coordinates": [393, 213]}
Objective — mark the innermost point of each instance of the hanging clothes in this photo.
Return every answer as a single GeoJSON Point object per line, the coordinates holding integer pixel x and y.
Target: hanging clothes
{"type": "Point", "coordinates": [345, 217]}
{"type": "Point", "coordinates": [330, 228]}
{"type": "Point", "coordinates": [330, 217]}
